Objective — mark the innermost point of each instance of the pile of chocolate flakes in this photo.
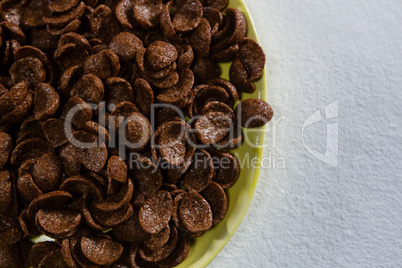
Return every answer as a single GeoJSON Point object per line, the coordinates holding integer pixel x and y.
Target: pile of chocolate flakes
{"type": "Point", "coordinates": [138, 80]}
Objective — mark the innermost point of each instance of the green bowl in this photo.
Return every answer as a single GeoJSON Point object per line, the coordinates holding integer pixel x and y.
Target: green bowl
{"type": "Point", "coordinates": [205, 248]}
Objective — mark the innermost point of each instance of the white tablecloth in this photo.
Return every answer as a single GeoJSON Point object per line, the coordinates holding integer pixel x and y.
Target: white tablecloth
{"type": "Point", "coordinates": [311, 210]}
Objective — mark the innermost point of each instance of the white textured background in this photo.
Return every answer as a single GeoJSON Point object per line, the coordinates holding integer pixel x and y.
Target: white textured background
{"type": "Point", "coordinates": [310, 214]}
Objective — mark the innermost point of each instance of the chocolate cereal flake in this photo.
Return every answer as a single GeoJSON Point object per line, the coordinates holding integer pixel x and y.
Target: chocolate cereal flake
{"type": "Point", "coordinates": [47, 172]}
{"type": "Point", "coordinates": [158, 240]}
{"type": "Point", "coordinates": [144, 96]}
{"type": "Point", "coordinates": [125, 45]}
{"type": "Point", "coordinates": [217, 199]}
{"type": "Point", "coordinates": [200, 173]}
{"type": "Point", "coordinates": [155, 213]}
{"type": "Point", "coordinates": [57, 223]}
{"type": "Point", "coordinates": [54, 130]}
{"type": "Point", "coordinates": [195, 213]}
{"type": "Point", "coordinates": [147, 12]}
{"type": "Point", "coordinates": [162, 252]}
{"type": "Point", "coordinates": [213, 127]}
{"type": "Point", "coordinates": [254, 113]}
{"type": "Point", "coordinates": [27, 188]}
{"type": "Point", "coordinates": [46, 101]}
{"type": "Point", "coordinates": [125, 14]}
{"type": "Point", "coordinates": [104, 64]}
{"type": "Point", "coordinates": [188, 15]}
{"type": "Point", "coordinates": [101, 251]}
{"type": "Point", "coordinates": [226, 168]}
